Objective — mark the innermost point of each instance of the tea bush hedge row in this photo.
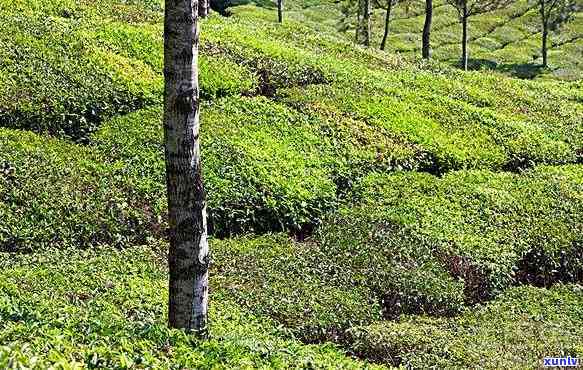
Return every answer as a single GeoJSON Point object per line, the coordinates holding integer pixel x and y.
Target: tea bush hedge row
{"type": "Point", "coordinates": [261, 173]}
{"type": "Point", "coordinates": [105, 308]}
{"type": "Point", "coordinates": [55, 80]}
{"type": "Point", "coordinates": [490, 229]}
{"type": "Point", "coordinates": [219, 76]}
{"type": "Point", "coordinates": [472, 119]}
{"type": "Point", "coordinates": [317, 290]}
{"type": "Point", "coordinates": [287, 286]}
{"type": "Point", "coordinates": [54, 194]}
{"type": "Point", "coordinates": [413, 243]}
{"type": "Point", "coordinates": [130, 11]}
{"type": "Point", "coordinates": [460, 126]}
{"type": "Point", "coordinates": [519, 329]}
{"type": "Point", "coordinates": [64, 76]}
{"type": "Point", "coordinates": [266, 166]}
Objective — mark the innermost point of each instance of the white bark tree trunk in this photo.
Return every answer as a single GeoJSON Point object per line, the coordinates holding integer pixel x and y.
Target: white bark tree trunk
{"type": "Point", "coordinates": [188, 257]}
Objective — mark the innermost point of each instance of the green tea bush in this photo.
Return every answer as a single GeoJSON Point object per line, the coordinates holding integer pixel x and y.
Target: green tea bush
{"type": "Point", "coordinates": [275, 277]}
{"type": "Point", "coordinates": [106, 308]}
{"type": "Point", "coordinates": [126, 11]}
{"type": "Point", "coordinates": [260, 173]}
{"type": "Point", "coordinates": [57, 81]}
{"type": "Point", "coordinates": [490, 230]}
{"type": "Point", "coordinates": [317, 292]}
{"type": "Point", "coordinates": [55, 195]}
{"type": "Point", "coordinates": [219, 76]}
{"type": "Point", "coordinates": [518, 329]}
{"type": "Point", "coordinates": [276, 176]}
{"type": "Point", "coordinates": [399, 267]}
{"type": "Point", "coordinates": [267, 167]}
{"type": "Point", "coordinates": [498, 125]}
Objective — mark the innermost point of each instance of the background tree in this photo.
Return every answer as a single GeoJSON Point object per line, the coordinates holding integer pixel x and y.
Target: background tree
{"type": "Point", "coordinates": [468, 8]}
{"type": "Point", "coordinates": [553, 14]}
{"type": "Point", "coordinates": [188, 255]}
{"type": "Point", "coordinates": [363, 28]}
{"type": "Point", "coordinates": [426, 48]}
{"type": "Point", "coordinates": [387, 5]}
{"type": "Point", "coordinates": [280, 11]}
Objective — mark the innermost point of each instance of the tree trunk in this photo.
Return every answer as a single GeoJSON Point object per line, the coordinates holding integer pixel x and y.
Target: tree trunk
{"type": "Point", "coordinates": [363, 26]}
{"type": "Point", "coordinates": [188, 256]}
{"type": "Point", "coordinates": [280, 11]}
{"type": "Point", "coordinates": [545, 35]}
{"type": "Point", "coordinates": [426, 49]}
{"type": "Point", "coordinates": [544, 47]}
{"type": "Point", "coordinates": [204, 7]}
{"type": "Point", "coordinates": [366, 22]}
{"type": "Point", "coordinates": [387, 21]}
{"type": "Point", "coordinates": [464, 60]}
{"type": "Point", "coordinates": [359, 18]}
{"type": "Point", "coordinates": [363, 32]}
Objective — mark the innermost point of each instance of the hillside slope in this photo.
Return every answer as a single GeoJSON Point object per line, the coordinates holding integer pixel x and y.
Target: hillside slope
{"type": "Point", "coordinates": [365, 208]}
{"type": "Point", "coordinates": [506, 41]}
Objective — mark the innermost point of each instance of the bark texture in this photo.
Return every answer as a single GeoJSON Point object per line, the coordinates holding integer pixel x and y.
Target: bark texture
{"type": "Point", "coordinates": [280, 11]}
{"type": "Point", "coordinates": [204, 7]}
{"type": "Point", "coordinates": [363, 29]}
{"type": "Point", "coordinates": [464, 60]}
{"type": "Point", "coordinates": [367, 22]}
{"type": "Point", "coordinates": [387, 23]}
{"type": "Point", "coordinates": [189, 253]}
{"type": "Point", "coordinates": [545, 35]}
{"type": "Point", "coordinates": [544, 47]}
{"type": "Point", "coordinates": [359, 15]}
{"type": "Point", "coordinates": [426, 48]}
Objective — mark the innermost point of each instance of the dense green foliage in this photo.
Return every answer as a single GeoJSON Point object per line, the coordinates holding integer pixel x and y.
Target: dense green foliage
{"type": "Point", "coordinates": [56, 194]}
{"type": "Point", "coordinates": [417, 244]}
{"type": "Point", "coordinates": [417, 196]}
{"type": "Point", "coordinates": [489, 229]}
{"type": "Point", "coordinates": [319, 290]}
{"type": "Point", "coordinates": [532, 322]}
{"type": "Point", "coordinates": [105, 309]}
{"type": "Point", "coordinates": [54, 80]}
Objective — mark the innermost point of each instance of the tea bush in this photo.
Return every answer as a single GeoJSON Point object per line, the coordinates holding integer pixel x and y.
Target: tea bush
{"type": "Point", "coordinates": [318, 290]}
{"type": "Point", "coordinates": [266, 167]}
{"type": "Point", "coordinates": [106, 308]}
{"type": "Point", "coordinates": [490, 229]}
{"type": "Point", "coordinates": [54, 80]}
{"type": "Point", "coordinates": [519, 329]}
{"type": "Point", "coordinates": [54, 194]}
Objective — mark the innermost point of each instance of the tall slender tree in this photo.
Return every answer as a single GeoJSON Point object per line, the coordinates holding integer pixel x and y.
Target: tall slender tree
{"type": "Point", "coordinates": [553, 14]}
{"type": "Point", "coordinates": [188, 257]}
{"type": "Point", "coordinates": [363, 28]}
{"type": "Point", "coordinates": [280, 11]}
{"type": "Point", "coordinates": [426, 48]}
{"type": "Point", "coordinates": [468, 8]}
{"type": "Point", "coordinates": [387, 6]}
